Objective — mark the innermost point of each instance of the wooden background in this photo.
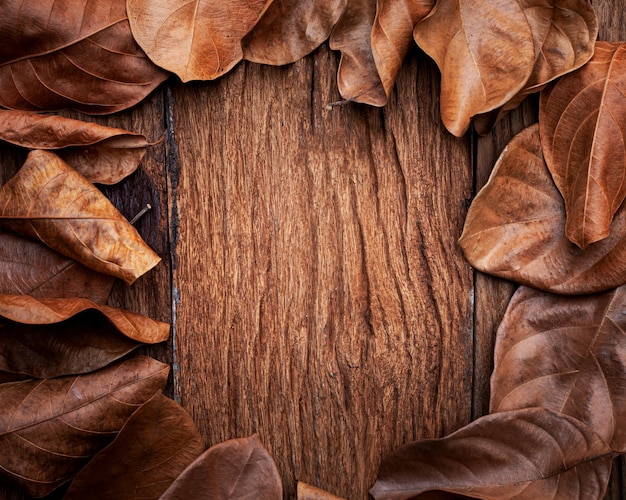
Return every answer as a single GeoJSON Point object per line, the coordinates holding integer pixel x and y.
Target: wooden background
{"type": "Point", "coordinates": [310, 266]}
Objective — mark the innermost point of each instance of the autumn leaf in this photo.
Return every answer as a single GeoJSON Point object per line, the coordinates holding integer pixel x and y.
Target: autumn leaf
{"type": "Point", "coordinates": [485, 52]}
{"type": "Point", "coordinates": [51, 337]}
{"type": "Point", "coordinates": [235, 469]}
{"type": "Point", "coordinates": [50, 428]}
{"type": "Point", "coordinates": [103, 155]}
{"type": "Point", "coordinates": [582, 120]}
{"type": "Point", "coordinates": [29, 268]}
{"type": "Point", "coordinates": [524, 454]}
{"type": "Point", "coordinates": [50, 201]}
{"type": "Point", "coordinates": [196, 40]}
{"type": "Point", "coordinates": [308, 492]}
{"type": "Point", "coordinates": [514, 229]}
{"type": "Point", "coordinates": [155, 445]}
{"type": "Point", "coordinates": [72, 54]}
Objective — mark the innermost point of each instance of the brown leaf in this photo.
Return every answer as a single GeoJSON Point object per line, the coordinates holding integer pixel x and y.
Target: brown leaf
{"type": "Point", "coordinates": [198, 39]}
{"type": "Point", "coordinates": [582, 120]}
{"type": "Point", "coordinates": [288, 30]}
{"type": "Point", "coordinates": [235, 469]}
{"type": "Point", "coordinates": [103, 155]}
{"type": "Point", "coordinates": [485, 52]}
{"type": "Point", "coordinates": [52, 337]}
{"type": "Point", "coordinates": [50, 428]}
{"type": "Point", "coordinates": [515, 229]}
{"type": "Point", "coordinates": [566, 354]}
{"type": "Point", "coordinates": [525, 454]}
{"type": "Point", "coordinates": [72, 54]}
{"type": "Point", "coordinates": [50, 201]}
{"type": "Point", "coordinates": [155, 445]}
{"type": "Point", "coordinates": [392, 35]}
{"type": "Point", "coordinates": [307, 492]}
{"type": "Point", "coordinates": [30, 268]}
{"type": "Point", "coordinates": [564, 34]}
{"type": "Point", "coordinates": [357, 77]}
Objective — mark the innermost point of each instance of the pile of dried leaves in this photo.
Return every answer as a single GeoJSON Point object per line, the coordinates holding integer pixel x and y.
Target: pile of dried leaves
{"type": "Point", "coordinates": [76, 407]}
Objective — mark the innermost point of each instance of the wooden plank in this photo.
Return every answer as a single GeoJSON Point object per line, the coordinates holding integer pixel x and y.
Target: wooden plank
{"type": "Point", "coordinates": [322, 299]}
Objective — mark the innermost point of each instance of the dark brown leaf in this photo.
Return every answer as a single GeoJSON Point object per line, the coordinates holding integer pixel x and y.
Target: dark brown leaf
{"type": "Point", "coordinates": [50, 201]}
{"type": "Point", "coordinates": [50, 428]}
{"type": "Point", "coordinates": [525, 454]}
{"type": "Point", "coordinates": [71, 54]}
{"type": "Point", "coordinates": [515, 229]}
{"type": "Point", "coordinates": [53, 337]}
{"type": "Point", "coordinates": [485, 52]}
{"type": "Point", "coordinates": [30, 268]}
{"type": "Point", "coordinates": [101, 154]}
{"type": "Point", "coordinates": [582, 119]}
{"type": "Point", "coordinates": [155, 445]}
{"type": "Point", "coordinates": [235, 469]}
{"type": "Point", "coordinates": [197, 39]}
{"type": "Point", "coordinates": [567, 354]}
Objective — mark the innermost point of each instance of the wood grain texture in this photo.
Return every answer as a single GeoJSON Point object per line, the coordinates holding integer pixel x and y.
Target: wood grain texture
{"type": "Point", "coordinates": [322, 299]}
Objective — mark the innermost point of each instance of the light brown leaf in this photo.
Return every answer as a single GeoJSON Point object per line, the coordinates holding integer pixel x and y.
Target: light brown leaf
{"type": "Point", "coordinates": [583, 134]}
{"type": "Point", "coordinates": [103, 155]}
{"type": "Point", "coordinates": [567, 354]}
{"type": "Point", "coordinates": [155, 445]}
{"type": "Point", "coordinates": [392, 35]}
{"type": "Point", "coordinates": [308, 492]}
{"type": "Point", "coordinates": [514, 229]}
{"type": "Point", "coordinates": [71, 54]}
{"type": "Point", "coordinates": [485, 52]}
{"type": "Point", "coordinates": [30, 268]}
{"type": "Point", "coordinates": [50, 201]}
{"type": "Point", "coordinates": [235, 469]}
{"type": "Point", "coordinates": [196, 39]}
{"type": "Point", "coordinates": [53, 337]}
{"type": "Point", "coordinates": [50, 428]}
{"type": "Point", "coordinates": [288, 30]}
{"type": "Point", "coordinates": [525, 454]}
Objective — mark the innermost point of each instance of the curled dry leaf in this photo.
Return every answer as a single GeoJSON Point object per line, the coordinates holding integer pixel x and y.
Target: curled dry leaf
{"type": "Point", "coordinates": [52, 337]}
{"type": "Point", "coordinates": [307, 492]}
{"type": "Point", "coordinates": [103, 155]}
{"type": "Point", "coordinates": [290, 29]}
{"type": "Point", "coordinates": [197, 39]}
{"type": "Point", "coordinates": [582, 119]}
{"type": "Point", "coordinates": [50, 201]}
{"type": "Point", "coordinates": [566, 354]}
{"type": "Point", "coordinates": [235, 469]}
{"type": "Point", "coordinates": [525, 454]}
{"type": "Point", "coordinates": [50, 428]}
{"type": "Point", "coordinates": [514, 229]}
{"type": "Point", "coordinates": [485, 52]}
{"type": "Point", "coordinates": [29, 268]}
{"type": "Point", "coordinates": [564, 34]}
{"type": "Point", "coordinates": [71, 54]}
{"type": "Point", "coordinates": [155, 445]}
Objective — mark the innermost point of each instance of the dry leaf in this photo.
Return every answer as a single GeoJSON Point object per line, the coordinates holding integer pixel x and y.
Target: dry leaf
{"type": "Point", "coordinates": [71, 54]}
{"type": "Point", "coordinates": [50, 201]}
{"type": "Point", "coordinates": [564, 34]}
{"type": "Point", "coordinates": [52, 337]}
{"type": "Point", "coordinates": [30, 268]}
{"type": "Point", "coordinates": [289, 30]}
{"type": "Point", "coordinates": [197, 39]}
{"type": "Point", "coordinates": [582, 120]}
{"type": "Point", "coordinates": [150, 451]}
{"type": "Point", "coordinates": [103, 155]}
{"type": "Point", "coordinates": [485, 52]}
{"type": "Point", "coordinates": [514, 229]}
{"type": "Point", "coordinates": [392, 35]}
{"type": "Point", "coordinates": [357, 77]}
{"type": "Point", "coordinates": [50, 428]}
{"type": "Point", "coordinates": [566, 354]}
{"type": "Point", "coordinates": [308, 492]}
{"type": "Point", "coordinates": [525, 454]}
{"type": "Point", "coordinates": [235, 469]}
